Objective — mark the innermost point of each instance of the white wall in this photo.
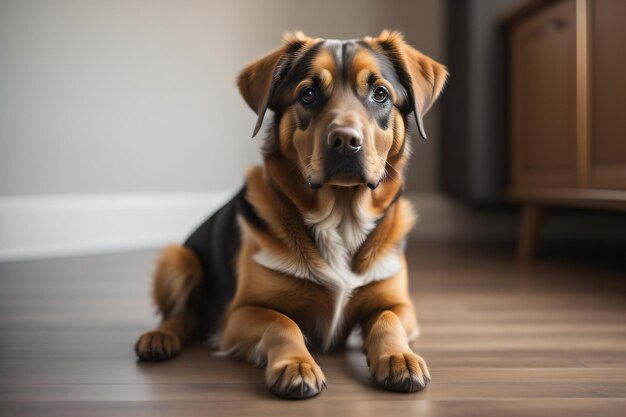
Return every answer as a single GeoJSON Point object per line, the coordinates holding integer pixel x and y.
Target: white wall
{"type": "Point", "coordinates": [139, 96]}
{"type": "Point", "coordinates": [120, 122]}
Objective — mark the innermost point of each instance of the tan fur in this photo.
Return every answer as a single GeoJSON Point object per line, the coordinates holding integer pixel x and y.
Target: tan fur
{"type": "Point", "coordinates": [178, 274]}
{"type": "Point", "coordinates": [275, 314]}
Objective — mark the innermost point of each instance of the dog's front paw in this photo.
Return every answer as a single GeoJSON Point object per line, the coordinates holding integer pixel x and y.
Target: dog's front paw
{"type": "Point", "coordinates": [400, 372]}
{"type": "Point", "coordinates": [157, 345]}
{"type": "Point", "coordinates": [296, 378]}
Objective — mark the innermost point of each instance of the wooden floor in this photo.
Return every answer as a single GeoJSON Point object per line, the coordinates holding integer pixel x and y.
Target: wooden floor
{"type": "Point", "coordinates": [501, 339]}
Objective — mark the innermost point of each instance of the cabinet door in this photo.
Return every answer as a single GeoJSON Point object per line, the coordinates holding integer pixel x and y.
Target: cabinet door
{"type": "Point", "coordinates": [606, 158]}
{"type": "Point", "coordinates": [543, 97]}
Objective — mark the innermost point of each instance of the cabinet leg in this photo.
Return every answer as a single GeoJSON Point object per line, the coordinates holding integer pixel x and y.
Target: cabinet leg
{"type": "Point", "coordinates": [530, 226]}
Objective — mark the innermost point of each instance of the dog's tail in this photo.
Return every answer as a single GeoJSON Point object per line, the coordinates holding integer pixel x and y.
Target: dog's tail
{"type": "Point", "coordinates": [176, 282]}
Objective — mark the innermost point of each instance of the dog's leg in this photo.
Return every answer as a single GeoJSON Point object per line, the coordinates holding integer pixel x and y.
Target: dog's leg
{"type": "Point", "coordinates": [391, 361]}
{"type": "Point", "coordinates": [177, 277]}
{"type": "Point", "coordinates": [264, 335]}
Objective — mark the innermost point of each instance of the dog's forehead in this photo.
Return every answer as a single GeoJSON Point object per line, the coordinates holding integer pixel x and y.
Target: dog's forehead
{"type": "Point", "coordinates": [343, 51]}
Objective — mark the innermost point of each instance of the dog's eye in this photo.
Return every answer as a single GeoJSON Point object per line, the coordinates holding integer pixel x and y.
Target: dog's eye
{"type": "Point", "coordinates": [307, 95]}
{"type": "Point", "coordinates": [380, 94]}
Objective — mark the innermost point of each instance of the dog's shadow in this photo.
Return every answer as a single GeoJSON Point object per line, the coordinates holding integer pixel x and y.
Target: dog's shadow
{"type": "Point", "coordinates": [356, 369]}
{"type": "Point", "coordinates": [197, 370]}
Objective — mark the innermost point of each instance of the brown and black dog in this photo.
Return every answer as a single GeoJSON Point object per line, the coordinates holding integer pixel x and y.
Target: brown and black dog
{"type": "Point", "coordinates": [312, 246]}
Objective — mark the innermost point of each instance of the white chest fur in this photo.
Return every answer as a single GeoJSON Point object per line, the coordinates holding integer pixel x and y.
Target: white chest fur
{"type": "Point", "coordinates": [339, 232]}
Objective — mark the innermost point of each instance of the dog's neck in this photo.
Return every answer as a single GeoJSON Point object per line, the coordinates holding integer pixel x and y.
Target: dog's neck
{"type": "Point", "coordinates": [283, 175]}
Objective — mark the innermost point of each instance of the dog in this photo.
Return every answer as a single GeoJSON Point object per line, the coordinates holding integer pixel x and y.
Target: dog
{"type": "Point", "coordinates": [312, 246]}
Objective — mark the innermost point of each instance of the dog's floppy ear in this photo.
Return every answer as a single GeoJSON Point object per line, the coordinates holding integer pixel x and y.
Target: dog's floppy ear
{"type": "Point", "coordinates": [423, 77]}
{"type": "Point", "coordinates": [258, 80]}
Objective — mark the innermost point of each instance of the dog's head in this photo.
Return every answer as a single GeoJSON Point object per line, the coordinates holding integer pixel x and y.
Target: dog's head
{"type": "Point", "coordinates": [341, 107]}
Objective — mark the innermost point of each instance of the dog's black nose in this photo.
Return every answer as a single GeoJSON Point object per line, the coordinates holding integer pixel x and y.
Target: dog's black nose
{"type": "Point", "coordinates": [345, 140]}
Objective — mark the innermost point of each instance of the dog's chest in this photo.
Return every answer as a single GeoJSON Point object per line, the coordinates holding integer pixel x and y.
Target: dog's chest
{"type": "Point", "coordinates": [338, 233]}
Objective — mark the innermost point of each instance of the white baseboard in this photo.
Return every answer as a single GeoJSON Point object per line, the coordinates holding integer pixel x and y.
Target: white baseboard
{"type": "Point", "coordinates": [43, 226]}
{"type": "Point", "coordinates": [61, 225]}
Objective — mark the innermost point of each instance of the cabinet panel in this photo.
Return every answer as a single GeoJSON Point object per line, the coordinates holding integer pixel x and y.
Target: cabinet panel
{"type": "Point", "coordinates": [607, 49]}
{"type": "Point", "coordinates": [543, 91]}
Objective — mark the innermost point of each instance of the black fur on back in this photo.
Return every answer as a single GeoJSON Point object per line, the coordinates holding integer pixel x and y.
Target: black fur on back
{"type": "Point", "coordinates": [216, 243]}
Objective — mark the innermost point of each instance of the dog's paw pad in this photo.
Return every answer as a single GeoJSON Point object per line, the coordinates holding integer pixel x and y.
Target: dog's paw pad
{"type": "Point", "coordinates": [295, 379]}
{"type": "Point", "coordinates": [157, 345]}
{"type": "Point", "coordinates": [400, 372]}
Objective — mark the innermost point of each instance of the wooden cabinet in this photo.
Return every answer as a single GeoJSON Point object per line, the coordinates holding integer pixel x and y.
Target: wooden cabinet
{"type": "Point", "coordinates": [543, 90]}
{"type": "Point", "coordinates": [606, 151]}
{"type": "Point", "coordinates": [567, 98]}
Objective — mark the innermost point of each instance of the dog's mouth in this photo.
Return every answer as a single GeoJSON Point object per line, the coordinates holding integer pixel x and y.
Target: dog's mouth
{"type": "Point", "coordinates": [344, 174]}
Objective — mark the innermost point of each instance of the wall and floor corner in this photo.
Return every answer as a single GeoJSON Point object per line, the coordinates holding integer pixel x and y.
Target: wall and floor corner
{"type": "Point", "coordinates": [74, 224]}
